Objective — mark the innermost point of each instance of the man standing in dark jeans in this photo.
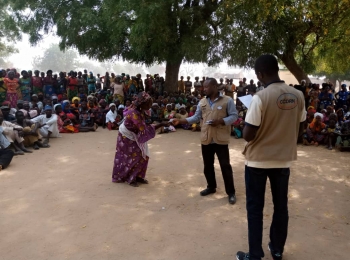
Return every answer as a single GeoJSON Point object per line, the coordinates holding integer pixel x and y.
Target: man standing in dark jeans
{"type": "Point", "coordinates": [218, 113]}
{"type": "Point", "coordinates": [272, 126]}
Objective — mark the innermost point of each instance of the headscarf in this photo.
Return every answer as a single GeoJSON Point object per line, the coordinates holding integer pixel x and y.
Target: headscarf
{"type": "Point", "coordinates": [25, 112]}
{"type": "Point", "coordinates": [111, 105]}
{"type": "Point", "coordinates": [54, 107]}
{"type": "Point", "coordinates": [140, 99]}
{"type": "Point", "coordinates": [75, 98]}
{"type": "Point", "coordinates": [121, 106]}
{"type": "Point", "coordinates": [318, 114]}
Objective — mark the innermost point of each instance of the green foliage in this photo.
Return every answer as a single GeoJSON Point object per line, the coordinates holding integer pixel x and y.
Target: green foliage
{"type": "Point", "coordinates": [292, 30]}
{"type": "Point", "coordinates": [139, 31]}
{"type": "Point", "coordinates": [56, 60]}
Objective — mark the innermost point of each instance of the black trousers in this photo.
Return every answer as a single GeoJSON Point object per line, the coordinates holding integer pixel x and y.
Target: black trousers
{"type": "Point", "coordinates": [208, 153]}
{"type": "Point", "coordinates": [255, 180]}
{"type": "Point", "coordinates": [6, 156]}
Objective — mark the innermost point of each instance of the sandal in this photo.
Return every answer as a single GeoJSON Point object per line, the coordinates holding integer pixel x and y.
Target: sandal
{"type": "Point", "coordinates": [141, 180]}
{"type": "Point", "coordinates": [134, 184]}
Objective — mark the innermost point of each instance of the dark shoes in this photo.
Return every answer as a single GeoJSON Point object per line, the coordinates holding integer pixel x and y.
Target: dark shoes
{"type": "Point", "coordinates": [242, 256]}
{"type": "Point", "coordinates": [207, 191]}
{"type": "Point", "coordinates": [245, 256]}
{"type": "Point", "coordinates": [275, 255]}
{"type": "Point", "coordinates": [232, 199]}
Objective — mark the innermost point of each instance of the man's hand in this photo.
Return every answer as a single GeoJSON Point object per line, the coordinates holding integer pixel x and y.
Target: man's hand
{"type": "Point", "coordinates": [175, 121]}
{"type": "Point", "coordinates": [217, 122]}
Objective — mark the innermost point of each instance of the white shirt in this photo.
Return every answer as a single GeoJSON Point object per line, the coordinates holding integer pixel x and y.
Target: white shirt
{"type": "Point", "coordinates": [111, 116]}
{"type": "Point", "coordinates": [253, 117]}
{"type": "Point", "coordinates": [50, 122]}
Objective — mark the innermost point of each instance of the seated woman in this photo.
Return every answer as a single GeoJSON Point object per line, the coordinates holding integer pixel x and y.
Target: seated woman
{"type": "Point", "coordinates": [195, 126]}
{"type": "Point", "coordinates": [343, 139]}
{"type": "Point", "coordinates": [314, 131]}
{"type": "Point", "coordinates": [111, 116]}
{"type": "Point", "coordinates": [86, 118]}
{"type": "Point", "coordinates": [331, 131]}
{"type": "Point", "coordinates": [183, 115]}
{"type": "Point", "coordinates": [327, 113]}
{"type": "Point", "coordinates": [340, 116]}
{"type": "Point", "coordinates": [74, 107]}
{"type": "Point", "coordinates": [64, 124]}
{"type": "Point", "coordinates": [169, 113]}
{"type": "Point", "coordinates": [66, 109]}
{"type": "Point", "coordinates": [101, 112]}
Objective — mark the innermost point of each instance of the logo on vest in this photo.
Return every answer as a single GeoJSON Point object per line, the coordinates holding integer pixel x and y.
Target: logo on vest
{"type": "Point", "coordinates": [287, 101]}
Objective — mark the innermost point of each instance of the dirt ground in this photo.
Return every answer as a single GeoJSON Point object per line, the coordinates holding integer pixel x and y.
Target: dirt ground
{"type": "Point", "coordinates": [60, 203]}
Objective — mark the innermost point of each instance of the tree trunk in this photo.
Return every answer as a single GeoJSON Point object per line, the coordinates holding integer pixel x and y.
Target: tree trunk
{"type": "Point", "coordinates": [292, 65]}
{"type": "Point", "coordinates": [172, 75]}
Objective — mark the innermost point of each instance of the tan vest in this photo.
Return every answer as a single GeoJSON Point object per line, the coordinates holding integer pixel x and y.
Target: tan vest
{"type": "Point", "coordinates": [276, 139]}
{"type": "Point", "coordinates": [219, 134]}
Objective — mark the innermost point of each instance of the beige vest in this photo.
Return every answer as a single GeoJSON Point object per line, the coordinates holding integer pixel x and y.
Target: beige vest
{"type": "Point", "coordinates": [276, 139]}
{"type": "Point", "coordinates": [219, 134]}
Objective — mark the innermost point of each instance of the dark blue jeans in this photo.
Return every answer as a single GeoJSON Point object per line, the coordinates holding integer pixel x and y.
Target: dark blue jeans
{"type": "Point", "coordinates": [255, 179]}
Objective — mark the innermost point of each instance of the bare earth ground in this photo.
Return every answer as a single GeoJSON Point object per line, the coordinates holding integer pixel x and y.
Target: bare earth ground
{"type": "Point", "coordinates": [60, 203]}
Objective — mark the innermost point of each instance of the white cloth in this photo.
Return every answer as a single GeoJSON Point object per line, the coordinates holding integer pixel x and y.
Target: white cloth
{"type": "Point", "coordinates": [111, 116]}
{"type": "Point", "coordinates": [10, 133]}
{"type": "Point", "coordinates": [50, 125]}
{"type": "Point", "coordinates": [133, 137]}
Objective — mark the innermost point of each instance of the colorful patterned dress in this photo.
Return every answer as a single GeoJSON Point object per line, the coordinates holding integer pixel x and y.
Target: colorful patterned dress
{"type": "Point", "coordinates": [12, 94]}
{"type": "Point", "coordinates": [37, 84]}
{"type": "Point", "coordinates": [129, 161]}
{"type": "Point", "coordinates": [25, 88]}
{"type": "Point", "coordinates": [2, 91]}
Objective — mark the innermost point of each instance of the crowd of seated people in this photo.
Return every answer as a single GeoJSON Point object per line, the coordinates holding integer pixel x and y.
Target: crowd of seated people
{"type": "Point", "coordinates": [40, 106]}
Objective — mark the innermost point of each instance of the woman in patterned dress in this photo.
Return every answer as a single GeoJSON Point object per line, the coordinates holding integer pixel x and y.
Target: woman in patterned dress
{"type": "Point", "coordinates": [132, 155]}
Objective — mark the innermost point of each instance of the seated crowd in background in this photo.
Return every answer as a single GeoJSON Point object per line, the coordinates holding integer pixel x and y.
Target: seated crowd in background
{"type": "Point", "coordinates": [37, 107]}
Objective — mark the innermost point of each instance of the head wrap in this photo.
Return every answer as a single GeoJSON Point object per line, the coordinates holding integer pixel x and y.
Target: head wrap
{"type": "Point", "coordinates": [47, 107]}
{"type": "Point", "coordinates": [140, 99]}
{"type": "Point", "coordinates": [318, 114]}
{"type": "Point", "coordinates": [111, 105]}
{"type": "Point", "coordinates": [121, 107]}
{"type": "Point", "coordinates": [54, 97]}
{"type": "Point", "coordinates": [90, 97]}
{"type": "Point", "coordinates": [76, 98]}
{"type": "Point", "coordinates": [54, 107]}
{"type": "Point", "coordinates": [25, 112]}
{"type": "Point", "coordinates": [34, 95]}
{"type": "Point", "coordinates": [169, 105]}
{"type": "Point", "coordinates": [182, 106]}
{"type": "Point", "coordinates": [33, 113]}
{"type": "Point", "coordinates": [101, 101]}
{"type": "Point", "coordinates": [155, 104]}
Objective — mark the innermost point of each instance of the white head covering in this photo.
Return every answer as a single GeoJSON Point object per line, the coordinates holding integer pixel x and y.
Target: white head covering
{"type": "Point", "coordinates": [318, 114]}
{"type": "Point", "coordinates": [111, 104]}
{"type": "Point", "coordinates": [182, 106]}
{"type": "Point", "coordinates": [121, 106]}
{"type": "Point", "coordinates": [155, 104]}
{"type": "Point", "coordinates": [54, 107]}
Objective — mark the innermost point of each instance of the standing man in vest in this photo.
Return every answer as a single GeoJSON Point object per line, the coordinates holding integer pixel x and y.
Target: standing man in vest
{"type": "Point", "coordinates": [218, 113]}
{"type": "Point", "coordinates": [272, 126]}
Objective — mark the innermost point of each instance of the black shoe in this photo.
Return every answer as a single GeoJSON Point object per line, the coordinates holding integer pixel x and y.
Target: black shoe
{"type": "Point", "coordinates": [207, 191]}
{"type": "Point", "coordinates": [275, 255]}
{"type": "Point", "coordinates": [232, 199]}
{"type": "Point", "coordinates": [242, 256]}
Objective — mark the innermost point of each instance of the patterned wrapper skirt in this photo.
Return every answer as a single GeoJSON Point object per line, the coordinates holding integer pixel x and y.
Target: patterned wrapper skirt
{"type": "Point", "coordinates": [128, 161]}
{"type": "Point", "coordinates": [12, 98]}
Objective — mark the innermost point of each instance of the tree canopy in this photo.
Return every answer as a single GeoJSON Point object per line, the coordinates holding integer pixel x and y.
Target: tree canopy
{"type": "Point", "coordinates": [172, 31]}
{"type": "Point", "coordinates": [294, 30]}
{"type": "Point", "coordinates": [138, 31]}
